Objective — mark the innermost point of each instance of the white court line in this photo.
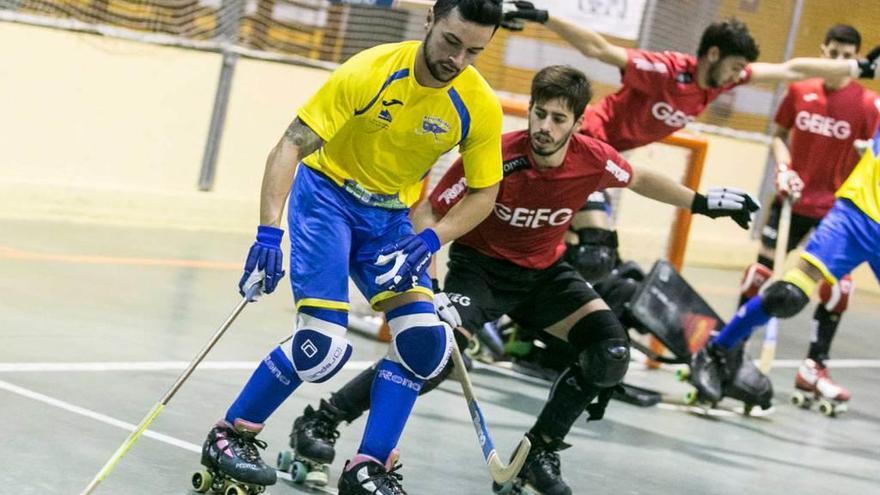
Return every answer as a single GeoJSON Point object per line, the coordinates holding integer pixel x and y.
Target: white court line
{"type": "Point", "coordinates": [30, 394]}
{"type": "Point", "coordinates": [148, 366]}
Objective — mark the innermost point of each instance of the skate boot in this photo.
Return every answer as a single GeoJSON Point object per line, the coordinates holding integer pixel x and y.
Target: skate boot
{"type": "Point", "coordinates": [233, 462]}
{"type": "Point", "coordinates": [813, 385]}
{"type": "Point", "coordinates": [541, 474]}
{"type": "Point", "coordinates": [365, 475]}
{"type": "Point", "coordinates": [313, 440]}
{"type": "Point", "coordinates": [747, 383]}
{"type": "Point", "coordinates": [707, 375]}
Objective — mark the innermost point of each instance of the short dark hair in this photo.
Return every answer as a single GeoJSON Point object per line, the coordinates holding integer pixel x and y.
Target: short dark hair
{"type": "Point", "coordinates": [732, 37]}
{"type": "Point", "coordinates": [483, 12]}
{"type": "Point", "coordinates": [562, 81]}
{"type": "Point", "coordinates": [844, 33]}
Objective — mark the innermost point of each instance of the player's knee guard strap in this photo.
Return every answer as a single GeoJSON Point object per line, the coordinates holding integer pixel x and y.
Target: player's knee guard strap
{"type": "Point", "coordinates": [784, 299]}
{"type": "Point", "coordinates": [419, 340]}
{"type": "Point", "coordinates": [835, 297]}
{"type": "Point", "coordinates": [318, 349]}
{"type": "Point", "coordinates": [755, 276]}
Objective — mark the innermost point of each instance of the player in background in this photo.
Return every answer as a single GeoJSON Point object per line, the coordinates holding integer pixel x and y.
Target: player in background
{"type": "Point", "coordinates": [365, 140]}
{"type": "Point", "coordinates": [662, 92]}
{"type": "Point", "coordinates": [511, 263]}
{"type": "Point", "coordinates": [816, 125]}
{"type": "Point", "coordinates": [847, 236]}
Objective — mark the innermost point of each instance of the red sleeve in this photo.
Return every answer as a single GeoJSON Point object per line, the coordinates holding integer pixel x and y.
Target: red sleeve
{"type": "Point", "coordinates": [785, 112]}
{"type": "Point", "coordinates": [644, 69]}
{"type": "Point", "coordinates": [618, 171]}
{"type": "Point", "coordinates": [451, 188]}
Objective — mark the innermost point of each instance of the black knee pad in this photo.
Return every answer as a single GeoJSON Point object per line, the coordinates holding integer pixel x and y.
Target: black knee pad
{"type": "Point", "coordinates": [783, 299]}
{"type": "Point", "coordinates": [603, 347]}
{"type": "Point", "coordinates": [595, 255]}
{"type": "Point", "coordinates": [617, 292]}
{"type": "Point", "coordinates": [605, 363]}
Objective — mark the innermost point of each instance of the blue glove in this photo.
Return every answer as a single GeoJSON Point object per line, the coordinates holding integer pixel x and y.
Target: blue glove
{"type": "Point", "coordinates": [411, 256]}
{"type": "Point", "coordinates": [263, 263]}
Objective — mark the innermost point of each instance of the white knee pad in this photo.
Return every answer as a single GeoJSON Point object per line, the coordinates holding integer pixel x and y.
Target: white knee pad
{"type": "Point", "coordinates": [318, 349]}
{"type": "Point", "coordinates": [421, 343]}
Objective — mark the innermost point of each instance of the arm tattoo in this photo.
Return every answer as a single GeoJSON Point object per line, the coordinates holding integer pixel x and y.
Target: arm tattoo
{"type": "Point", "coordinates": [301, 136]}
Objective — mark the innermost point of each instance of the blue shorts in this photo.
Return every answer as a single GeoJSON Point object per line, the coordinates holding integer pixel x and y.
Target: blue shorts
{"type": "Point", "coordinates": [845, 239]}
{"type": "Point", "coordinates": [333, 236]}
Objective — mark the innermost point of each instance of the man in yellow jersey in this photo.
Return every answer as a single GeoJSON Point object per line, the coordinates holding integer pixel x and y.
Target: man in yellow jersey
{"type": "Point", "coordinates": [366, 140]}
{"type": "Point", "coordinates": [848, 236]}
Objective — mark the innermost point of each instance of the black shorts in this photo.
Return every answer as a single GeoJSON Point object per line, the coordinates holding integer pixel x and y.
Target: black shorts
{"type": "Point", "coordinates": [483, 289]}
{"type": "Point", "coordinates": [800, 227]}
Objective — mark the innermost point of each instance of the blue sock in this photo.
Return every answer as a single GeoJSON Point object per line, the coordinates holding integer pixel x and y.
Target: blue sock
{"type": "Point", "coordinates": [750, 315]}
{"type": "Point", "coordinates": [272, 382]}
{"type": "Point", "coordinates": [394, 392]}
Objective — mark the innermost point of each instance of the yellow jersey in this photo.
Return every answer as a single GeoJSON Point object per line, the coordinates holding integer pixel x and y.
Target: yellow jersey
{"type": "Point", "coordinates": [862, 187]}
{"type": "Point", "coordinates": [383, 131]}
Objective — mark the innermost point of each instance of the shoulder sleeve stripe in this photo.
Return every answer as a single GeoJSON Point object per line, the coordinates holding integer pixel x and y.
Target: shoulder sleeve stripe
{"type": "Point", "coordinates": [402, 73]}
{"type": "Point", "coordinates": [463, 113]}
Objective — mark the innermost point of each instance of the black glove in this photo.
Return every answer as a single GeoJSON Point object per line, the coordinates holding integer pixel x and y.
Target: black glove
{"type": "Point", "coordinates": [524, 11]}
{"type": "Point", "coordinates": [726, 202]}
{"type": "Point", "coordinates": [868, 65]}
{"type": "Point", "coordinates": [596, 253]}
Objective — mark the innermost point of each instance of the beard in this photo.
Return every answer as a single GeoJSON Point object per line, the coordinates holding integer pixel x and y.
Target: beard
{"type": "Point", "coordinates": [440, 71]}
{"type": "Point", "coordinates": [551, 147]}
{"type": "Point", "coordinates": [712, 79]}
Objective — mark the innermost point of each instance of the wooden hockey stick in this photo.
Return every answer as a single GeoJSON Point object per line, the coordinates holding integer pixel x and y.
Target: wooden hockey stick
{"type": "Point", "coordinates": [768, 350]}
{"type": "Point", "coordinates": [500, 473]}
{"type": "Point", "coordinates": [154, 412]}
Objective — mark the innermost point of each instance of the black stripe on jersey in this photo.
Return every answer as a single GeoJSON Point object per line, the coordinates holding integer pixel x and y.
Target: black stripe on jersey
{"type": "Point", "coordinates": [515, 165]}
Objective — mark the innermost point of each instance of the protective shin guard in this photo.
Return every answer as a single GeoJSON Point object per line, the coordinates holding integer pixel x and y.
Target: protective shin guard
{"type": "Point", "coordinates": [394, 393]}
{"type": "Point", "coordinates": [271, 383]}
{"type": "Point", "coordinates": [750, 315]}
{"type": "Point", "coordinates": [825, 325]}
{"type": "Point", "coordinates": [567, 402]}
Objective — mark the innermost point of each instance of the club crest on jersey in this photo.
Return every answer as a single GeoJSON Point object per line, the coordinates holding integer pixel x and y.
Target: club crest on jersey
{"type": "Point", "coordinates": [385, 115]}
{"type": "Point", "coordinates": [434, 126]}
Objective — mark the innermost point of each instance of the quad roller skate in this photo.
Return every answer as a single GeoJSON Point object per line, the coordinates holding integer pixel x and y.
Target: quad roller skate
{"type": "Point", "coordinates": [813, 385]}
{"type": "Point", "coordinates": [232, 461]}
{"type": "Point", "coordinates": [365, 475]}
{"type": "Point", "coordinates": [541, 474]}
{"type": "Point", "coordinates": [313, 441]}
{"type": "Point", "coordinates": [716, 374]}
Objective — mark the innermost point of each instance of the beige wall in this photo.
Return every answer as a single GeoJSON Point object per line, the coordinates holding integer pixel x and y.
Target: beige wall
{"type": "Point", "coordinates": [104, 130]}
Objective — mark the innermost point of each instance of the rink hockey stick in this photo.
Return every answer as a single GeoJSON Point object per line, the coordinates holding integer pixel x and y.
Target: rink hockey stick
{"type": "Point", "coordinates": [154, 412]}
{"type": "Point", "coordinates": [768, 349]}
{"type": "Point", "coordinates": [500, 473]}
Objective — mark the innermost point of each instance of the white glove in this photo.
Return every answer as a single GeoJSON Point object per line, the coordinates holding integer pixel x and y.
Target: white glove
{"type": "Point", "coordinates": [446, 310]}
{"type": "Point", "coordinates": [789, 184]}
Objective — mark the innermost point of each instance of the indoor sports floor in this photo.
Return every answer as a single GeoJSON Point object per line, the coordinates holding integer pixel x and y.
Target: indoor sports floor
{"type": "Point", "coordinates": [96, 323]}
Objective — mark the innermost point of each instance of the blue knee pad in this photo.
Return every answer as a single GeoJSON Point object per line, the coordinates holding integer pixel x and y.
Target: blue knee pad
{"type": "Point", "coordinates": [420, 341]}
{"type": "Point", "coordinates": [318, 349]}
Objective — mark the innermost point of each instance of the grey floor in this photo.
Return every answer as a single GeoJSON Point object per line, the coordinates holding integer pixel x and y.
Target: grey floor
{"type": "Point", "coordinates": [96, 322]}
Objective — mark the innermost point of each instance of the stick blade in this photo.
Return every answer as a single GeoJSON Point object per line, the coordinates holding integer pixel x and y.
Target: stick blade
{"type": "Point", "coordinates": [502, 474]}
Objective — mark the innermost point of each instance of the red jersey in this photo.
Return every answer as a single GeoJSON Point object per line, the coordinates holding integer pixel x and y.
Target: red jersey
{"type": "Point", "coordinates": [534, 206]}
{"type": "Point", "coordinates": [659, 96]}
{"type": "Point", "coordinates": [824, 123]}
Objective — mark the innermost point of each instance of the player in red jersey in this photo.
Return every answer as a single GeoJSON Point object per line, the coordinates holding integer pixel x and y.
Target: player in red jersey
{"type": "Point", "coordinates": [662, 91]}
{"type": "Point", "coordinates": [817, 124]}
{"type": "Point", "coordinates": [512, 264]}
